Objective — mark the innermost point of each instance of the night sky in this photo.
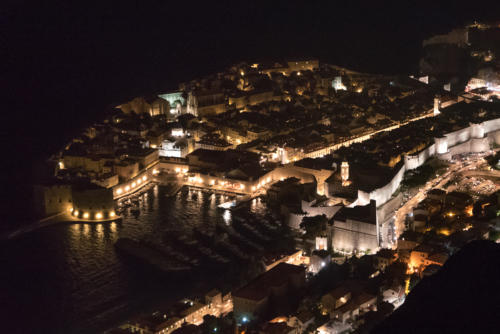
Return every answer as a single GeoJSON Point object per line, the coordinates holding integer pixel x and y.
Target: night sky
{"type": "Point", "coordinates": [66, 62]}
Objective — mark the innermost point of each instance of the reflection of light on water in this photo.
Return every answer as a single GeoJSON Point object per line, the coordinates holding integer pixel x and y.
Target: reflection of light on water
{"type": "Point", "coordinates": [212, 201]}
{"type": "Point", "coordinates": [254, 204]}
{"type": "Point", "coordinates": [113, 227]}
{"type": "Point", "coordinates": [100, 233]}
{"type": "Point", "coordinates": [227, 216]}
{"type": "Point", "coordinates": [86, 229]}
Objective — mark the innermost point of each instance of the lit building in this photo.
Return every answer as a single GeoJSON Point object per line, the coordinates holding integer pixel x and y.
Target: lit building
{"type": "Point", "coordinates": [348, 301]}
{"type": "Point", "coordinates": [154, 105]}
{"type": "Point", "coordinates": [126, 168]}
{"type": "Point", "coordinates": [424, 255]}
{"type": "Point", "coordinates": [176, 102]}
{"type": "Point", "coordinates": [187, 311]}
{"type": "Point", "coordinates": [177, 149]}
{"type": "Point", "coordinates": [206, 102]}
{"type": "Point", "coordinates": [320, 259]}
{"type": "Point", "coordinates": [337, 83]}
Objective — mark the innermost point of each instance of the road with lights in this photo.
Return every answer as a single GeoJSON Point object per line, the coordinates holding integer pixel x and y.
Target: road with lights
{"type": "Point", "coordinates": [472, 162]}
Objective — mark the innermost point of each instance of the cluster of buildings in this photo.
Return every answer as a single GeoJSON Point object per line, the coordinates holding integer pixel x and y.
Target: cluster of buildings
{"type": "Point", "coordinates": [273, 128]}
{"type": "Point", "coordinates": [184, 312]}
{"type": "Point", "coordinates": [317, 141]}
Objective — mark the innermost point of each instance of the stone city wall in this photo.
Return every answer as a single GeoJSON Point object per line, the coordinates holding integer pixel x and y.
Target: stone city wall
{"type": "Point", "coordinates": [294, 219]}
{"type": "Point", "coordinates": [494, 137]}
{"type": "Point", "coordinates": [383, 194]}
{"type": "Point", "coordinates": [352, 234]}
{"type": "Point", "coordinates": [386, 210]}
{"type": "Point", "coordinates": [413, 161]}
{"type": "Point", "coordinates": [472, 139]}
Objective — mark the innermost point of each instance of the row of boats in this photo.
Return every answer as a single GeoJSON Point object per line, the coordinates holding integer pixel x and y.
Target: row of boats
{"type": "Point", "coordinates": [204, 249]}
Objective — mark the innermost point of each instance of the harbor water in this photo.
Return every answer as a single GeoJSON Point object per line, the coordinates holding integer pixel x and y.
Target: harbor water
{"type": "Point", "coordinates": [69, 278]}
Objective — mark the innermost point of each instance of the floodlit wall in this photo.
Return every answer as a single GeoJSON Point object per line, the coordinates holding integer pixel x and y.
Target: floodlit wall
{"type": "Point", "coordinates": [386, 210]}
{"type": "Point", "coordinates": [468, 140]}
{"type": "Point", "coordinates": [413, 161]}
{"type": "Point", "coordinates": [494, 137]}
{"type": "Point", "coordinates": [383, 194]}
{"type": "Point", "coordinates": [352, 234]}
{"type": "Point", "coordinates": [441, 145]}
{"type": "Point", "coordinates": [294, 220]}
{"type": "Point", "coordinates": [491, 125]}
{"type": "Point", "coordinates": [456, 137]}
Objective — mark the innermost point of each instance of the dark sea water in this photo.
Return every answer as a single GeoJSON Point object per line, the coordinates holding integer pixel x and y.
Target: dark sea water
{"type": "Point", "coordinates": [68, 278]}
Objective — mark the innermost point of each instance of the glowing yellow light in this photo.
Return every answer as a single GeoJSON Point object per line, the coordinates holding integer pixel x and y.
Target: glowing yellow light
{"type": "Point", "coordinates": [253, 188]}
{"type": "Point", "coordinates": [133, 184]}
{"type": "Point", "coordinates": [61, 165]}
{"type": "Point", "coordinates": [242, 186]}
{"type": "Point", "coordinates": [212, 182]}
{"type": "Point", "coordinates": [268, 179]}
{"type": "Point", "coordinates": [144, 178]}
{"type": "Point", "coordinates": [153, 146]}
{"type": "Point", "coordinates": [86, 215]}
{"type": "Point", "coordinates": [177, 170]}
{"type": "Point", "coordinates": [139, 181]}
{"type": "Point", "coordinates": [155, 171]}
{"type": "Point", "coordinates": [185, 170]}
{"type": "Point", "coordinates": [70, 209]}
{"type": "Point", "coordinates": [119, 191]}
{"type": "Point", "coordinates": [98, 215]}
{"type": "Point", "coordinates": [75, 213]}
{"type": "Point", "coordinates": [242, 73]}
{"type": "Point", "coordinates": [112, 214]}
{"type": "Point", "coordinates": [127, 188]}
{"type": "Point", "coordinates": [469, 211]}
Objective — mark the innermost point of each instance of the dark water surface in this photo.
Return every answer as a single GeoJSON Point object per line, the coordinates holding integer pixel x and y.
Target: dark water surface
{"type": "Point", "coordinates": [68, 278]}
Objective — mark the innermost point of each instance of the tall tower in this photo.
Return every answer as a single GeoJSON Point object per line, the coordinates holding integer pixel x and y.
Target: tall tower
{"type": "Point", "coordinates": [344, 173]}
{"type": "Point", "coordinates": [437, 105]}
{"type": "Point", "coordinates": [192, 104]}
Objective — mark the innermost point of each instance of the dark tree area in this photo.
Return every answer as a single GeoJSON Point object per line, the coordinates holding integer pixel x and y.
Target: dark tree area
{"type": "Point", "coordinates": [314, 226]}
